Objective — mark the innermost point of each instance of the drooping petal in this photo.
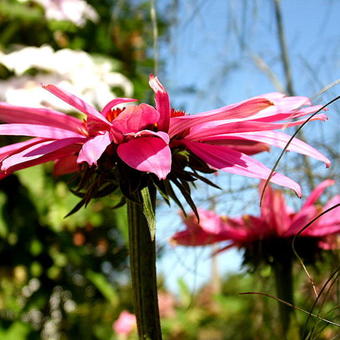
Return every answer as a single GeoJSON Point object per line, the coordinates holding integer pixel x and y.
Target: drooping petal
{"type": "Point", "coordinates": [54, 146]}
{"type": "Point", "coordinates": [326, 224]}
{"type": "Point", "coordinates": [94, 148]}
{"type": "Point", "coordinates": [38, 116]}
{"type": "Point", "coordinates": [66, 165]}
{"type": "Point", "coordinates": [162, 103]}
{"type": "Point", "coordinates": [207, 130]}
{"type": "Point", "coordinates": [212, 228]}
{"type": "Point", "coordinates": [300, 220]}
{"type": "Point", "coordinates": [284, 105]}
{"type": "Point", "coordinates": [20, 160]}
{"type": "Point", "coordinates": [317, 192]}
{"type": "Point", "coordinates": [274, 210]}
{"type": "Point", "coordinates": [208, 230]}
{"type": "Point", "coordinates": [226, 159]}
{"type": "Point", "coordinates": [248, 147]}
{"type": "Point", "coordinates": [195, 237]}
{"type": "Point", "coordinates": [274, 138]}
{"type": "Point", "coordinates": [7, 150]}
{"type": "Point", "coordinates": [147, 154]}
{"type": "Point", "coordinates": [76, 102]}
{"type": "Point", "coordinates": [36, 131]}
{"type": "Point", "coordinates": [286, 115]}
{"type": "Point", "coordinates": [232, 112]}
{"type": "Point", "coordinates": [333, 216]}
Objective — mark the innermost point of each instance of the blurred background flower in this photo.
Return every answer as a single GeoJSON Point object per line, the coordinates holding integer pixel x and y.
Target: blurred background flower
{"type": "Point", "coordinates": [76, 11]}
{"type": "Point", "coordinates": [92, 77]}
{"type": "Point", "coordinates": [125, 324]}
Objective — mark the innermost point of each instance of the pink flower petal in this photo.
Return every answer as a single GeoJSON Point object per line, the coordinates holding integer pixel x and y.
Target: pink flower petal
{"type": "Point", "coordinates": [275, 138]}
{"type": "Point", "coordinates": [107, 108]}
{"type": "Point", "coordinates": [274, 211]}
{"type": "Point", "coordinates": [149, 133]}
{"type": "Point", "coordinates": [94, 148]}
{"type": "Point", "coordinates": [125, 324]}
{"type": "Point", "coordinates": [162, 103]}
{"type": "Point", "coordinates": [207, 130]}
{"type": "Point", "coordinates": [7, 150]}
{"type": "Point", "coordinates": [36, 131]}
{"type": "Point", "coordinates": [231, 112]}
{"type": "Point", "coordinates": [66, 165]}
{"type": "Point", "coordinates": [76, 102]}
{"type": "Point", "coordinates": [27, 115]}
{"type": "Point", "coordinates": [300, 220]}
{"type": "Point", "coordinates": [54, 146]}
{"type": "Point", "coordinates": [277, 115]}
{"type": "Point", "coordinates": [317, 192]}
{"type": "Point", "coordinates": [226, 159]}
{"type": "Point", "coordinates": [147, 154]}
{"type": "Point", "coordinates": [20, 160]}
{"type": "Point", "coordinates": [328, 223]}
{"type": "Point", "coordinates": [135, 118]}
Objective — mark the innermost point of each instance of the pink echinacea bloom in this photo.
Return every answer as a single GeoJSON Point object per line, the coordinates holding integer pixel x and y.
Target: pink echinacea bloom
{"type": "Point", "coordinates": [125, 323]}
{"type": "Point", "coordinates": [145, 137]}
{"type": "Point", "coordinates": [276, 221]}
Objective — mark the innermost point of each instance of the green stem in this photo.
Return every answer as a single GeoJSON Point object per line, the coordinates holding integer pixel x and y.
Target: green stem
{"type": "Point", "coordinates": [143, 271]}
{"type": "Point", "coordinates": [284, 289]}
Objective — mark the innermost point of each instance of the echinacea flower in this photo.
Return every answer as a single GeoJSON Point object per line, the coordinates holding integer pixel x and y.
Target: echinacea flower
{"type": "Point", "coordinates": [276, 221]}
{"type": "Point", "coordinates": [269, 238]}
{"type": "Point", "coordinates": [69, 140]}
{"type": "Point", "coordinates": [152, 139]}
{"type": "Point", "coordinates": [125, 323]}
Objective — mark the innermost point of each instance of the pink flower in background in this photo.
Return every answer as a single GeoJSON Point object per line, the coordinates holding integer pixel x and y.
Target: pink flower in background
{"type": "Point", "coordinates": [276, 220]}
{"type": "Point", "coordinates": [143, 136]}
{"type": "Point", "coordinates": [125, 323]}
{"type": "Point", "coordinates": [166, 303]}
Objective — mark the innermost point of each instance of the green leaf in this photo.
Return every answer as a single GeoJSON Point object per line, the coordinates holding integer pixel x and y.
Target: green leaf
{"type": "Point", "coordinates": [205, 180]}
{"type": "Point", "coordinates": [104, 286]}
{"type": "Point", "coordinates": [18, 330]}
{"type": "Point", "coordinates": [170, 191]}
{"type": "Point", "coordinates": [121, 221]}
{"type": "Point", "coordinates": [149, 211]}
{"type": "Point", "coordinates": [77, 207]}
{"type": "Point", "coordinates": [185, 191]}
{"type": "Point", "coordinates": [184, 292]}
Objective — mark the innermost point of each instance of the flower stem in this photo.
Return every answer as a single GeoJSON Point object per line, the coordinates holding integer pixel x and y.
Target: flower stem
{"type": "Point", "coordinates": [284, 289]}
{"type": "Point", "coordinates": [143, 270]}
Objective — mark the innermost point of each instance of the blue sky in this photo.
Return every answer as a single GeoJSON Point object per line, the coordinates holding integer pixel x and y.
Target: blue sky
{"type": "Point", "coordinates": [209, 63]}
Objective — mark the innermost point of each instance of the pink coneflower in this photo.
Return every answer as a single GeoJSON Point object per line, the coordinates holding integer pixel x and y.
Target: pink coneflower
{"type": "Point", "coordinates": [156, 140]}
{"type": "Point", "coordinates": [268, 238]}
{"type": "Point", "coordinates": [277, 221]}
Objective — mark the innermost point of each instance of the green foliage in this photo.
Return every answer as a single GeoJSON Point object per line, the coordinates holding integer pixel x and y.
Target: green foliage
{"type": "Point", "coordinates": [62, 277]}
{"type": "Point", "coordinates": [225, 314]}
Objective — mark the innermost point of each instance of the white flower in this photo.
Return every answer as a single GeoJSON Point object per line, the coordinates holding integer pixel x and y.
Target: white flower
{"type": "Point", "coordinates": [76, 71]}
{"type": "Point", "coordinates": [76, 11]}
